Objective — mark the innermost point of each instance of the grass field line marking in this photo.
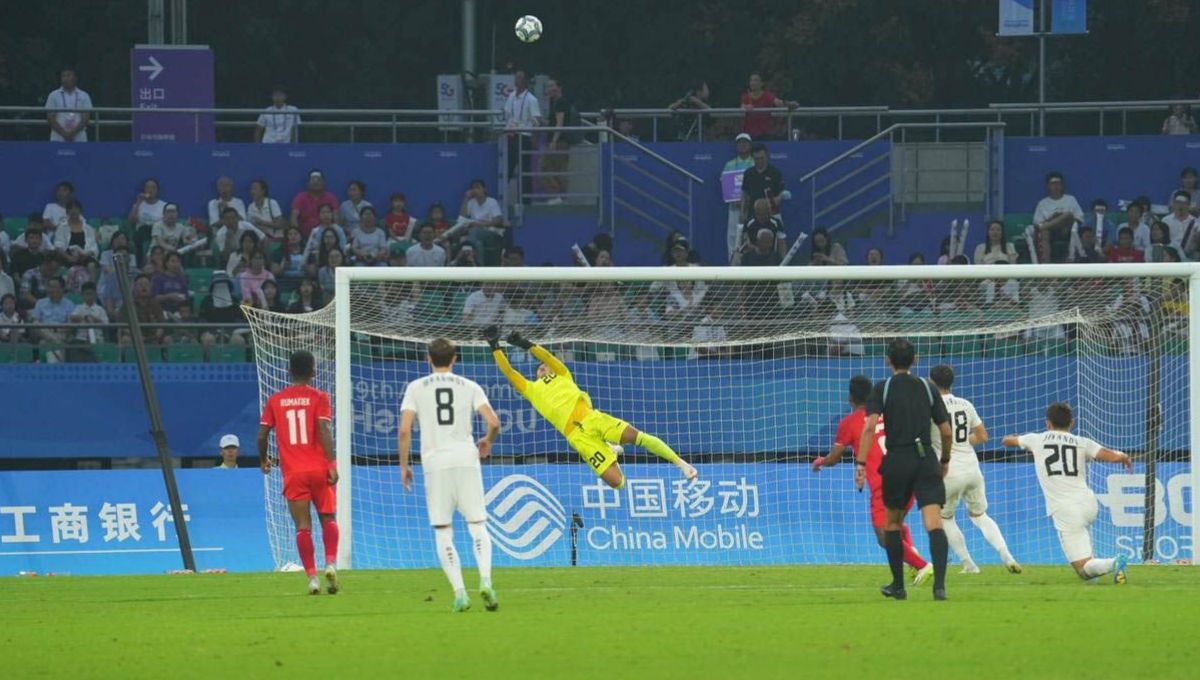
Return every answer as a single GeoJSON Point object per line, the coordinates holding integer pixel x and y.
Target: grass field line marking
{"type": "Point", "coordinates": [105, 552]}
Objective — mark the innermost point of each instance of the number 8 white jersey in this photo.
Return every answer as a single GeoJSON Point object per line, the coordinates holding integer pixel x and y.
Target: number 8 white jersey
{"type": "Point", "coordinates": [1061, 460]}
{"type": "Point", "coordinates": [445, 405]}
{"type": "Point", "coordinates": [963, 421]}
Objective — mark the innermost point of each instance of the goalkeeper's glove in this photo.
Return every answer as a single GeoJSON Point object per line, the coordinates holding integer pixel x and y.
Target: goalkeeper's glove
{"type": "Point", "coordinates": [492, 335]}
{"type": "Point", "coordinates": [518, 340]}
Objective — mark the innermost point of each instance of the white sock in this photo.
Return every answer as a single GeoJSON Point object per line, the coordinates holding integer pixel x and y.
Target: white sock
{"type": "Point", "coordinates": [991, 531]}
{"type": "Point", "coordinates": [1096, 567]}
{"type": "Point", "coordinates": [954, 536]}
{"type": "Point", "coordinates": [483, 549]}
{"type": "Point", "coordinates": [448, 556]}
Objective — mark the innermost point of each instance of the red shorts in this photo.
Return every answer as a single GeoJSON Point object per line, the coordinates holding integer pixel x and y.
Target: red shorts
{"type": "Point", "coordinates": [878, 511]}
{"type": "Point", "coordinates": [312, 486]}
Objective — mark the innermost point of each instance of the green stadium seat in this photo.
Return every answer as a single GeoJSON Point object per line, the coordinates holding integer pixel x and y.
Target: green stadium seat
{"type": "Point", "coordinates": [154, 354]}
{"type": "Point", "coordinates": [475, 354]}
{"type": "Point", "coordinates": [227, 354]}
{"type": "Point", "coordinates": [1014, 225]}
{"type": "Point", "coordinates": [106, 353]}
{"type": "Point", "coordinates": [75, 298]}
{"type": "Point", "coordinates": [185, 354]}
{"type": "Point", "coordinates": [199, 279]}
{"type": "Point", "coordinates": [19, 353]}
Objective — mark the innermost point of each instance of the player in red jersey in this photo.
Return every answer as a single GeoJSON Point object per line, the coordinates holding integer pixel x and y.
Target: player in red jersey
{"type": "Point", "coordinates": [302, 414]}
{"type": "Point", "coordinates": [849, 433]}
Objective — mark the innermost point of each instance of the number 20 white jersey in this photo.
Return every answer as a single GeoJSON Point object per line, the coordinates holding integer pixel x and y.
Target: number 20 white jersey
{"type": "Point", "coordinates": [445, 405]}
{"type": "Point", "coordinates": [963, 421]}
{"type": "Point", "coordinates": [1061, 460]}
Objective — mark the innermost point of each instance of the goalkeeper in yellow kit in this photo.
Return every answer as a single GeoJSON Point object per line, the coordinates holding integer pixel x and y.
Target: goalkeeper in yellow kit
{"type": "Point", "coordinates": [596, 435]}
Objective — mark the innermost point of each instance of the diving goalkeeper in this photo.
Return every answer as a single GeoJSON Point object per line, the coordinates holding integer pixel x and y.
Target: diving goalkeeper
{"type": "Point", "coordinates": [569, 409]}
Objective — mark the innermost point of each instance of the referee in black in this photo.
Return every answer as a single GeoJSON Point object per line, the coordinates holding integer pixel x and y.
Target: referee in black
{"type": "Point", "coordinates": [908, 405]}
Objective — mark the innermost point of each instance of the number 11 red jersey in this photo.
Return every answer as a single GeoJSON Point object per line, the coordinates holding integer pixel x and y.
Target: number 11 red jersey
{"type": "Point", "coordinates": [293, 414]}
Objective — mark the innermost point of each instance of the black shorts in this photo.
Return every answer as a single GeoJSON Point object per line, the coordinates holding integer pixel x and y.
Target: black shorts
{"type": "Point", "coordinates": [906, 474]}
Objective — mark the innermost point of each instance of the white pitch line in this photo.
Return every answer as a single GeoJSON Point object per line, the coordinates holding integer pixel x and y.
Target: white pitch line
{"type": "Point", "coordinates": [106, 552]}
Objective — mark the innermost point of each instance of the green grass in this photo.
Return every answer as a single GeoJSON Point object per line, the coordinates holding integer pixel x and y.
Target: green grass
{"type": "Point", "coordinates": [615, 624]}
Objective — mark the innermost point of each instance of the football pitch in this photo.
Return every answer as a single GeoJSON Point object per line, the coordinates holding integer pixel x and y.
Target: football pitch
{"type": "Point", "coordinates": [772, 622]}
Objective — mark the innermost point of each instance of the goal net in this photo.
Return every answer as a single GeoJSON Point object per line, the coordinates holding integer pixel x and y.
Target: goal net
{"type": "Point", "coordinates": [745, 373]}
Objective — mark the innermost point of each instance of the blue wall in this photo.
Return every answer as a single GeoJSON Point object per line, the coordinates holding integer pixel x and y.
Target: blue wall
{"type": "Point", "coordinates": [792, 404]}
{"type": "Point", "coordinates": [107, 177]}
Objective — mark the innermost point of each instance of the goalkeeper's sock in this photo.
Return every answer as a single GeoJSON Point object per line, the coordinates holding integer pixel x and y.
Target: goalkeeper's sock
{"type": "Point", "coordinates": [308, 557]}
{"type": "Point", "coordinates": [448, 556]}
{"type": "Point", "coordinates": [940, 551]}
{"type": "Point", "coordinates": [329, 536]}
{"type": "Point", "coordinates": [1098, 567]}
{"type": "Point", "coordinates": [658, 447]}
{"type": "Point", "coordinates": [954, 536]}
{"type": "Point", "coordinates": [991, 531]}
{"type": "Point", "coordinates": [911, 557]}
{"type": "Point", "coordinates": [483, 550]}
{"type": "Point", "coordinates": [893, 542]}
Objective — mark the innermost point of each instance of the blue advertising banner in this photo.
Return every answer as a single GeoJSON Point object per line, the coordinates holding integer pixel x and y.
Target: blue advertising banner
{"type": "Point", "coordinates": [1068, 16]}
{"type": "Point", "coordinates": [743, 514]}
{"type": "Point", "coordinates": [1016, 17]}
{"type": "Point", "coordinates": [172, 77]}
{"type": "Point", "coordinates": [119, 521]}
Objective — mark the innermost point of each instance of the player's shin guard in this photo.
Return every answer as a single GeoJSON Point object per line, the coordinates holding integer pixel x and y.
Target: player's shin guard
{"type": "Point", "coordinates": [658, 447]}
{"type": "Point", "coordinates": [954, 536]}
{"type": "Point", "coordinates": [308, 557]}
{"type": "Point", "coordinates": [991, 531]}
{"type": "Point", "coordinates": [482, 541]}
{"type": "Point", "coordinates": [329, 536]}
{"type": "Point", "coordinates": [448, 556]}
{"type": "Point", "coordinates": [893, 542]}
{"type": "Point", "coordinates": [1098, 567]}
{"type": "Point", "coordinates": [911, 557]}
{"type": "Point", "coordinates": [939, 549]}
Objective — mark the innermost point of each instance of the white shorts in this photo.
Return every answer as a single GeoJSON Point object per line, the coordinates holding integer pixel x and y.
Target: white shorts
{"type": "Point", "coordinates": [451, 489]}
{"type": "Point", "coordinates": [967, 486]}
{"type": "Point", "coordinates": [1074, 527]}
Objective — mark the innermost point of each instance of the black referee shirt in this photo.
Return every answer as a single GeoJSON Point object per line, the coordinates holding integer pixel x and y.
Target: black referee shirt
{"type": "Point", "coordinates": [765, 184]}
{"type": "Point", "coordinates": [912, 404]}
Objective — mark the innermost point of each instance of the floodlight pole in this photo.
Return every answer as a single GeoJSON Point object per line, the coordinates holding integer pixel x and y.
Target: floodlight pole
{"type": "Point", "coordinates": [156, 426]}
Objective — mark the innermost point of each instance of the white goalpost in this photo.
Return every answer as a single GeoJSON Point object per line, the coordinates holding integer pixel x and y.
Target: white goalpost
{"type": "Point", "coordinates": [744, 372]}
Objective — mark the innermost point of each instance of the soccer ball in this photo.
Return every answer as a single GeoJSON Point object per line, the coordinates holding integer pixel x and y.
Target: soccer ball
{"type": "Point", "coordinates": [528, 28]}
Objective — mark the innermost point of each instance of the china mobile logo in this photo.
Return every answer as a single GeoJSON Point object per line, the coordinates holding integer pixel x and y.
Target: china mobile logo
{"type": "Point", "coordinates": [525, 519]}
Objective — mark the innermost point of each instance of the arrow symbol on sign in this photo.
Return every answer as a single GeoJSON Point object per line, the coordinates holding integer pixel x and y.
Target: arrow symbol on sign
{"type": "Point", "coordinates": [153, 67]}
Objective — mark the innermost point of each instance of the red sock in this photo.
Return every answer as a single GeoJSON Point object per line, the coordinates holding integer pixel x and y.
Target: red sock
{"type": "Point", "coordinates": [911, 558]}
{"type": "Point", "coordinates": [304, 544]}
{"type": "Point", "coordinates": [329, 535]}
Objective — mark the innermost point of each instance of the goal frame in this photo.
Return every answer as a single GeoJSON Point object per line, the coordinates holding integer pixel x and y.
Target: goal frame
{"type": "Point", "coordinates": [344, 276]}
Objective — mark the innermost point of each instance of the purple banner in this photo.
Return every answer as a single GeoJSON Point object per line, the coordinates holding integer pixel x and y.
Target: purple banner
{"type": "Point", "coordinates": [172, 77]}
{"type": "Point", "coordinates": [731, 185]}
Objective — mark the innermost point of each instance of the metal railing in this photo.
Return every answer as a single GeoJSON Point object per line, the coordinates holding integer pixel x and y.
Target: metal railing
{"type": "Point", "coordinates": [862, 196]}
{"type": "Point", "coordinates": [839, 122]}
{"type": "Point", "coordinates": [115, 123]}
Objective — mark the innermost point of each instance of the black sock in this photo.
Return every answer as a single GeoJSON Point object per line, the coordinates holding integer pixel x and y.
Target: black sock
{"type": "Point", "coordinates": [893, 542]}
{"type": "Point", "coordinates": [939, 549]}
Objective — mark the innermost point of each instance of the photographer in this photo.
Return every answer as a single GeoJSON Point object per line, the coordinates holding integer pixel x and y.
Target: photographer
{"type": "Point", "coordinates": [695, 99]}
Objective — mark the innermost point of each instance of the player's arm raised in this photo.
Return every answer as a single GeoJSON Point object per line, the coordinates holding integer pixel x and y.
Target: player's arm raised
{"type": "Point", "coordinates": [493, 430]}
{"type": "Point", "coordinates": [492, 335]}
{"type": "Point", "coordinates": [540, 353]}
{"type": "Point", "coordinates": [1110, 456]}
{"type": "Point", "coordinates": [406, 427]}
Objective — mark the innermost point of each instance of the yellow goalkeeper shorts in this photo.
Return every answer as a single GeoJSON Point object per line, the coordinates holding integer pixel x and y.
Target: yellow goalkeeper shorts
{"type": "Point", "coordinates": [590, 438]}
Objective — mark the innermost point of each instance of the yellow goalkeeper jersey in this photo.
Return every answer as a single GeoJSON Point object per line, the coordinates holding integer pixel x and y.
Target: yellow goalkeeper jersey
{"type": "Point", "coordinates": [555, 396]}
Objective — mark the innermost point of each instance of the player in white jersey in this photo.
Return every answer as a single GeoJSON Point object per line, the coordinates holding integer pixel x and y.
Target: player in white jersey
{"type": "Point", "coordinates": [1061, 460]}
{"type": "Point", "coordinates": [964, 479]}
{"type": "Point", "coordinates": [444, 406]}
